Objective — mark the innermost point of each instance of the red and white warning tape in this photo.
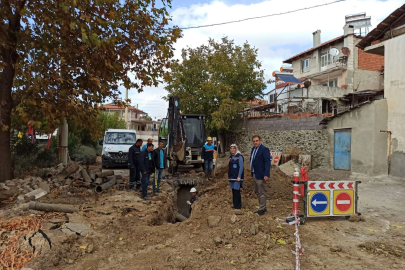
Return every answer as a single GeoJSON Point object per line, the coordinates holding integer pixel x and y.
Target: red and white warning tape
{"type": "Point", "coordinates": [299, 250]}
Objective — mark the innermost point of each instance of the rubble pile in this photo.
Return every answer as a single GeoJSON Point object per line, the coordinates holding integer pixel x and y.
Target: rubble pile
{"type": "Point", "coordinates": [72, 178]}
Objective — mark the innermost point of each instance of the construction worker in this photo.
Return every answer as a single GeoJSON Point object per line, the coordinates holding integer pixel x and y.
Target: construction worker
{"type": "Point", "coordinates": [144, 147]}
{"type": "Point", "coordinates": [147, 168]}
{"type": "Point", "coordinates": [194, 196]}
{"type": "Point", "coordinates": [160, 164]}
{"type": "Point", "coordinates": [133, 164]}
{"type": "Point", "coordinates": [207, 154]}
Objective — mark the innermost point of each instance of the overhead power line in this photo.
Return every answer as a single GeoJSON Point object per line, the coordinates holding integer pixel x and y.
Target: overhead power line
{"type": "Point", "coordinates": [260, 17]}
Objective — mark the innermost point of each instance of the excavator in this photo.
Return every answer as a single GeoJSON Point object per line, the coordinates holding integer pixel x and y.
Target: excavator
{"type": "Point", "coordinates": [183, 136]}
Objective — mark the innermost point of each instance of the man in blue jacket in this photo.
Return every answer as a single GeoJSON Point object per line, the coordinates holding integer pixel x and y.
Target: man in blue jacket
{"type": "Point", "coordinates": [260, 167]}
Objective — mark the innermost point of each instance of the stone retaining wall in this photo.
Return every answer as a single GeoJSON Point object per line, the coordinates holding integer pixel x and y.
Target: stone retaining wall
{"type": "Point", "coordinates": [311, 142]}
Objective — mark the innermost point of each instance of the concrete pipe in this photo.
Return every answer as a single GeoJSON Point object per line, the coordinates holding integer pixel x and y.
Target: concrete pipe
{"type": "Point", "coordinates": [47, 207]}
{"type": "Point", "coordinates": [105, 186]}
{"type": "Point", "coordinates": [180, 217]}
{"type": "Point", "coordinates": [104, 174]}
{"type": "Point", "coordinates": [92, 175]}
{"type": "Point", "coordinates": [99, 181]}
{"type": "Point", "coordinates": [86, 176]}
{"type": "Point", "coordinates": [110, 177]}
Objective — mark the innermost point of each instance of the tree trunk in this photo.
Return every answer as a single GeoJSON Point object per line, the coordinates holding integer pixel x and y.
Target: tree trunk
{"type": "Point", "coordinates": [9, 57]}
{"type": "Point", "coordinates": [6, 84]}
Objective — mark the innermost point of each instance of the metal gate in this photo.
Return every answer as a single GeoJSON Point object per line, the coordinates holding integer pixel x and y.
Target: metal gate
{"type": "Point", "coordinates": [342, 149]}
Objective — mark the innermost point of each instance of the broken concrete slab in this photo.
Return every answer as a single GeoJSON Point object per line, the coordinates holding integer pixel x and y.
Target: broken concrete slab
{"type": "Point", "coordinates": [37, 193]}
{"type": "Point", "coordinates": [76, 229]}
{"type": "Point", "coordinates": [45, 186]}
{"type": "Point", "coordinates": [234, 218]}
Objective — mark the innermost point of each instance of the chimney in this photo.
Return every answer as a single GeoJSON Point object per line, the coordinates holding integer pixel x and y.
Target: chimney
{"type": "Point", "coordinates": [317, 38]}
{"type": "Point", "coordinates": [348, 32]}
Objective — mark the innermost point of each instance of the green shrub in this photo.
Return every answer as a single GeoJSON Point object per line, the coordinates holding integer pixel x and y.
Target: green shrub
{"type": "Point", "coordinates": [99, 149]}
{"type": "Point", "coordinates": [46, 158]}
{"type": "Point", "coordinates": [85, 154]}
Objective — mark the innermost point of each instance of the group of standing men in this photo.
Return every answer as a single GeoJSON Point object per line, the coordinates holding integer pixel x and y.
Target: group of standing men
{"type": "Point", "coordinates": [144, 162]}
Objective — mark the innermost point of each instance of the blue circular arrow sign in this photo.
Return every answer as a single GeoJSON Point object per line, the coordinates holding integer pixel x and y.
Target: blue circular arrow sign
{"type": "Point", "coordinates": [319, 202]}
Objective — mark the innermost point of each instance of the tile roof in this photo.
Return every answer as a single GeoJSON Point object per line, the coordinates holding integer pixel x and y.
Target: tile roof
{"type": "Point", "coordinates": [289, 60]}
{"type": "Point", "coordinates": [115, 107]}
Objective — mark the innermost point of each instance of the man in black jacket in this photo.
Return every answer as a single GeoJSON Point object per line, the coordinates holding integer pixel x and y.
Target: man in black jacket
{"type": "Point", "coordinates": [160, 164]}
{"type": "Point", "coordinates": [133, 164]}
{"type": "Point", "coordinates": [147, 167]}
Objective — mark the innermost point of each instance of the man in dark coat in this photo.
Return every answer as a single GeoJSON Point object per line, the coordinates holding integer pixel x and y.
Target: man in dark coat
{"type": "Point", "coordinates": [133, 164]}
{"type": "Point", "coordinates": [147, 167]}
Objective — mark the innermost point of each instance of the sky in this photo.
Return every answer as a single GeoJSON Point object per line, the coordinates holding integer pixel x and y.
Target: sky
{"type": "Point", "coordinates": [277, 38]}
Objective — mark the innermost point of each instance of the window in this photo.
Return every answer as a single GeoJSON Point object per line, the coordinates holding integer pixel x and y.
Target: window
{"type": "Point", "coordinates": [306, 65]}
{"type": "Point", "coordinates": [324, 59]}
{"type": "Point", "coordinates": [272, 98]}
{"type": "Point", "coordinates": [332, 83]}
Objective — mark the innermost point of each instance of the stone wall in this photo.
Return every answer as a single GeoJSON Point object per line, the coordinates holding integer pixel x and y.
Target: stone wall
{"type": "Point", "coordinates": [284, 123]}
{"type": "Point", "coordinates": [311, 142]}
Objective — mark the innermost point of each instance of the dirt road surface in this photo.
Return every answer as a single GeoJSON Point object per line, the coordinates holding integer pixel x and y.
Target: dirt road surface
{"type": "Point", "coordinates": [125, 232]}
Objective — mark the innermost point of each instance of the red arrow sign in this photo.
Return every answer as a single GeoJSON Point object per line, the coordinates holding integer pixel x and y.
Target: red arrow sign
{"type": "Point", "coordinates": [331, 185]}
{"type": "Point", "coordinates": [350, 185]}
{"type": "Point", "coordinates": [312, 186]}
{"type": "Point", "coordinates": [341, 185]}
{"type": "Point", "coordinates": [322, 185]}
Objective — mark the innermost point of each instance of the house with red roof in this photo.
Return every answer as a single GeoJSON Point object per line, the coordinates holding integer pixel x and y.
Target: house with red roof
{"type": "Point", "coordinates": [330, 70]}
{"type": "Point", "coordinates": [137, 119]}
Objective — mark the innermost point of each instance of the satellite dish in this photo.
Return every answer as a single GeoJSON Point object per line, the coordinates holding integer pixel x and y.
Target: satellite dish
{"type": "Point", "coordinates": [307, 84]}
{"type": "Point", "coordinates": [334, 52]}
{"type": "Point", "coordinates": [345, 51]}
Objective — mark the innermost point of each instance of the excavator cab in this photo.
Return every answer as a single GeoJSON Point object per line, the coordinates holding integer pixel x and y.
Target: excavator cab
{"type": "Point", "coordinates": [183, 136]}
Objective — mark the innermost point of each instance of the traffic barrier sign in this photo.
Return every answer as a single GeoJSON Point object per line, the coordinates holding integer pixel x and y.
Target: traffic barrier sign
{"type": "Point", "coordinates": [319, 185]}
{"type": "Point", "coordinates": [319, 203]}
{"type": "Point", "coordinates": [343, 202]}
{"type": "Point", "coordinates": [331, 198]}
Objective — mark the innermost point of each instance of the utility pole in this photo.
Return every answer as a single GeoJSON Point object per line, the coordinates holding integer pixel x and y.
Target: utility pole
{"type": "Point", "coordinates": [126, 109]}
{"type": "Point", "coordinates": [63, 141]}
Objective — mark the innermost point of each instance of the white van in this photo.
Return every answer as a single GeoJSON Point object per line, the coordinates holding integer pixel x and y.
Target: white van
{"type": "Point", "coordinates": [116, 146]}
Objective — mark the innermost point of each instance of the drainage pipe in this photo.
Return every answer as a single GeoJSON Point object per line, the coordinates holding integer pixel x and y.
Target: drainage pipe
{"type": "Point", "coordinates": [105, 186]}
{"type": "Point", "coordinates": [180, 217]}
{"type": "Point", "coordinates": [48, 207]}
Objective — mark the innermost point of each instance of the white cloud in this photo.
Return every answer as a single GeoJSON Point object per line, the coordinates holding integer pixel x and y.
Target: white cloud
{"type": "Point", "coordinates": [277, 38]}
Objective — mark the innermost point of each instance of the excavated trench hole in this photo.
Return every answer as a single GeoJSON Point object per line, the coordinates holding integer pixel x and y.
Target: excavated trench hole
{"type": "Point", "coordinates": [183, 195]}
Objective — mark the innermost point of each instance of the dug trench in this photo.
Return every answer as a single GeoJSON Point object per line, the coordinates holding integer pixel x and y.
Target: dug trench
{"type": "Point", "coordinates": [118, 230]}
{"type": "Point", "coordinates": [125, 232]}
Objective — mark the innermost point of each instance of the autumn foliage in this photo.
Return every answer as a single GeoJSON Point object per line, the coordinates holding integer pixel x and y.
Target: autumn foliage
{"type": "Point", "coordinates": [64, 58]}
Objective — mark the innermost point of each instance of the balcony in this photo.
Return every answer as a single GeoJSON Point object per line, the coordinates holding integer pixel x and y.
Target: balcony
{"type": "Point", "coordinates": [333, 63]}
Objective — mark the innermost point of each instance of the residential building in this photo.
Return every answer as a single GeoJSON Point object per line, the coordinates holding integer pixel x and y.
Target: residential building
{"type": "Point", "coordinates": [137, 119]}
{"type": "Point", "coordinates": [332, 70]}
{"type": "Point", "coordinates": [387, 40]}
